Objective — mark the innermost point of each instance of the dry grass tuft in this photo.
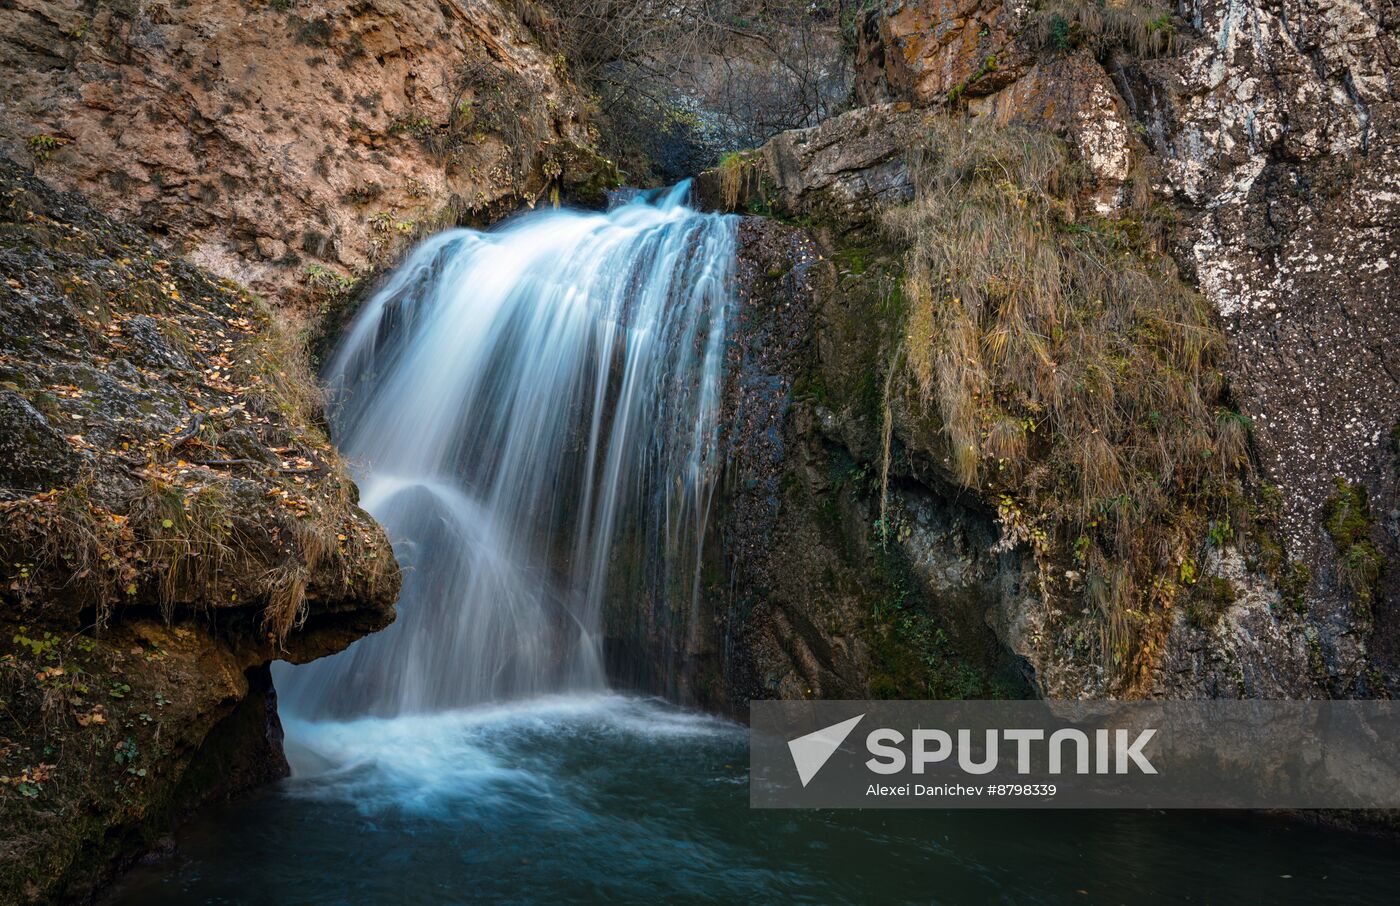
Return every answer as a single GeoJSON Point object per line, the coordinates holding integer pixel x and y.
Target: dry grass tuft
{"type": "Point", "coordinates": [277, 370]}
{"type": "Point", "coordinates": [1076, 377]}
{"type": "Point", "coordinates": [738, 176]}
{"type": "Point", "coordinates": [189, 538]}
{"type": "Point", "coordinates": [286, 584]}
{"type": "Point", "coordinates": [63, 533]}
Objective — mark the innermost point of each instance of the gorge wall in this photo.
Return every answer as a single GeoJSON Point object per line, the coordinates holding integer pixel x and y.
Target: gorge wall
{"type": "Point", "coordinates": [152, 410]}
{"type": "Point", "coordinates": [1256, 142]}
{"type": "Point", "coordinates": [174, 519]}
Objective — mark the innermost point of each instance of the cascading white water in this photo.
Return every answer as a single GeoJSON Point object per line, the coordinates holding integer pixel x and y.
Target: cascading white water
{"type": "Point", "coordinates": [508, 399]}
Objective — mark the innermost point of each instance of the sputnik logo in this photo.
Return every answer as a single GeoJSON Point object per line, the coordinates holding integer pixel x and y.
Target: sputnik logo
{"type": "Point", "coordinates": [813, 750]}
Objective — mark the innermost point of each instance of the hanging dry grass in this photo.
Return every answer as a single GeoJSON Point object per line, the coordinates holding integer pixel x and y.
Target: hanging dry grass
{"type": "Point", "coordinates": [1075, 375]}
{"type": "Point", "coordinates": [190, 539]}
{"type": "Point", "coordinates": [1143, 29]}
{"type": "Point", "coordinates": [738, 179]}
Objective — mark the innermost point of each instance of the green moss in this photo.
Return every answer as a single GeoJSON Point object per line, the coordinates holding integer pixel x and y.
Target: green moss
{"type": "Point", "coordinates": [1267, 555]}
{"type": "Point", "coordinates": [911, 656]}
{"type": "Point", "coordinates": [1347, 516]}
{"type": "Point", "coordinates": [913, 653]}
{"type": "Point", "coordinates": [1293, 588]}
{"type": "Point", "coordinates": [1317, 661]}
{"type": "Point", "coordinates": [987, 67]}
{"type": "Point", "coordinates": [809, 385]}
{"type": "Point", "coordinates": [1210, 598]}
{"type": "Point", "coordinates": [853, 260]}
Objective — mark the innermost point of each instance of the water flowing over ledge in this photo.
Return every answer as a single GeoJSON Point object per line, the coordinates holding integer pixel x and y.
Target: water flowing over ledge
{"type": "Point", "coordinates": [510, 400]}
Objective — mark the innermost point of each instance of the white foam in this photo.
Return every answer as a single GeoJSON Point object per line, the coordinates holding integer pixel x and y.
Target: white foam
{"type": "Point", "coordinates": [503, 754]}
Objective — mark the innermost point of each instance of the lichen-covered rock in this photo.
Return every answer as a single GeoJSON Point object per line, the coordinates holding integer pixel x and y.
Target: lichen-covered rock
{"type": "Point", "coordinates": [285, 144]}
{"type": "Point", "coordinates": [1278, 130]}
{"type": "Point", "coordinates": [1240, 638]}
{"type": "Point", "coordinates": [172, 518]}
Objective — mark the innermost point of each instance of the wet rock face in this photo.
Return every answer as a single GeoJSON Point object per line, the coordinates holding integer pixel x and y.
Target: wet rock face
{"type": "Point", "coordinates": [172, 518]}
{"type": "Point", "coordinates": [275, 139]}
{"type": "Point", "coordinates": [820, 591]}
{"type": "Point", "coordinates": [781, 622]}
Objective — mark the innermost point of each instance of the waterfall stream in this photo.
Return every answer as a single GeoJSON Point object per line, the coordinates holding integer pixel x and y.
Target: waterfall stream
{"type": "Point", "coordinates": [508, 400]}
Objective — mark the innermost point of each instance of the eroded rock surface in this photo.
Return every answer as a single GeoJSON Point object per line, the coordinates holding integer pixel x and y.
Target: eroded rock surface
{"type": "Point", "coordinates": [287, 144]}
{"type": "Point", "coordinates": [1278, 132]}
{"type": "Point", "coordinates": [841, 173]}
{"type": "Point", "coordinates": [924, 51]}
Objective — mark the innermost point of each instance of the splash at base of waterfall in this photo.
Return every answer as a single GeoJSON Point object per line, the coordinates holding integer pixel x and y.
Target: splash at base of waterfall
{"type": "Point", "coordinates": [430, 765]}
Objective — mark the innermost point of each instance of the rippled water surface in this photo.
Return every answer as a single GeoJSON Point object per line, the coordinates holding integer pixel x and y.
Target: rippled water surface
{"type": "Point", "coordinates": [609, 798]}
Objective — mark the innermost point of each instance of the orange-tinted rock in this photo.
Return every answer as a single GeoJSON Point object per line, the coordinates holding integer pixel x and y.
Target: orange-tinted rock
{"type": "Point", "coordinates": [924, 51]}
{"type": "Point", "coordinates": [268, 138]}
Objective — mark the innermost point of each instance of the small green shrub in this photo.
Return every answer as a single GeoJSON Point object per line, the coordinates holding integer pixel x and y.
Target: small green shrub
{"type": "Point", "coordinates": [327, 280]}
{"type": "Point", "coordinates": [416, 125]}
{"type": "Point", "coordinates": [1058, 36]}
{"type": "Point", "coordinates": [42, 146]}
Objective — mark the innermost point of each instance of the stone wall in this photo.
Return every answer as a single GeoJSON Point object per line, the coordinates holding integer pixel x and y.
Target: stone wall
{"type": "Point", "coordinates": [172, 519]}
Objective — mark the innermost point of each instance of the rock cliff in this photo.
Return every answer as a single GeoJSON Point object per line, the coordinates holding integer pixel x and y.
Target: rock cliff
{"type": "Point", "coordinates": [1210, 189]}
{"type": "Point", "coordinates": [174, 519]}
{"type": "Point", "coordinates": [1255, 144]}
{"type": "Point", "coordinates": [286, 145]}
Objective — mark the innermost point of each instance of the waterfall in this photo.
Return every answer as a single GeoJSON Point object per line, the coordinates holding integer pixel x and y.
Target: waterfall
{"type": "Point", "coordinates": [509, 401]}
